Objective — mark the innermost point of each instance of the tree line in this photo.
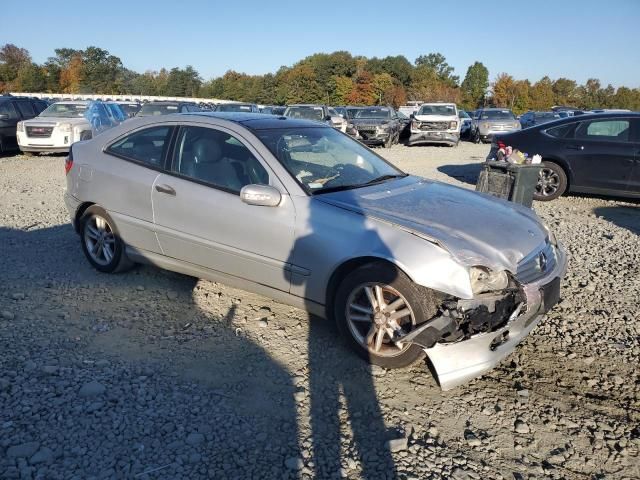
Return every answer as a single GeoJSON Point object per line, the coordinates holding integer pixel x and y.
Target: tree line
{"type": "Point", "coordinates": [337, 78]}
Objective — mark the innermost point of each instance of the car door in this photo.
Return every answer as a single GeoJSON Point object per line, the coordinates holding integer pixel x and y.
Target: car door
{"type": "Point", "coordinates": [123, 181]}
{"type": "Point", "coordinates": [634, 182]}
{"type": "Point", "coordinates": [601, 154]}
{"type": "Point", "coordinates": [9, 118]}
{"type": "Point", "coordinates": [200, 218]}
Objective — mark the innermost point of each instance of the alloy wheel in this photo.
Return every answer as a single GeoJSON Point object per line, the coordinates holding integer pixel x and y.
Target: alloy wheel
{"type": "Point", "coordinates": [100, 240]}
{"type": "Point", "coordinates": [376, 314]}
{"type": "Point", "coordinates": [548, 182]}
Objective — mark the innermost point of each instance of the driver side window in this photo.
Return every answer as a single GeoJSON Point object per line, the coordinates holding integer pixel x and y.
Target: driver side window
{"type": "Point", "coordinates": [217, 159]}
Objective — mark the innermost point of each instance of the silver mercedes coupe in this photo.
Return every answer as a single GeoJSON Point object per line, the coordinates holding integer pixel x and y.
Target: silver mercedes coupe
{"type": "Point", "coordinates": [301, 213]}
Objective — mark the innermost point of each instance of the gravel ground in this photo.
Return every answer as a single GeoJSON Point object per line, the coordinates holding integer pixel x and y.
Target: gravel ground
{"type": "Point", "coordinates": [151, 374]}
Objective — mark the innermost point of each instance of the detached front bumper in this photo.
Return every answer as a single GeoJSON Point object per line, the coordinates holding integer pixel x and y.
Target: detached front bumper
{"type": "Point", "coordinates": [447, 138]}
{"type": "Point", "coordinates": [457, 363]}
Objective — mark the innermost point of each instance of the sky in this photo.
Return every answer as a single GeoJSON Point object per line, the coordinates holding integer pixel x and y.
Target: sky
{"type": "Point", "coordinates": [577, 39]}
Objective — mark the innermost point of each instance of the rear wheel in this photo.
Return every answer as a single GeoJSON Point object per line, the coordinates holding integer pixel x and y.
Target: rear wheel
{"type": "Point", "coordinates": [101, 242]}
{"type": "Point", "coordinates": [552, 182]}
{"type": "Point", "coordinates": [377, 303]}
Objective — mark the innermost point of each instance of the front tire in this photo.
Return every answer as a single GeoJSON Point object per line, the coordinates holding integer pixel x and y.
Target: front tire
{"type": "Point", "coordinates": [376, 302]}
{"type": "Point", "coordinates": [552, 182]}
{"type": "Point", "coordinates": [101, 242]}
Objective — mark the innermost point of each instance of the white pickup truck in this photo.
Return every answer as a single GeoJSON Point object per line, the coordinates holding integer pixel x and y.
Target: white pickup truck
{"type": "Point", "coordinates": [436, 123]}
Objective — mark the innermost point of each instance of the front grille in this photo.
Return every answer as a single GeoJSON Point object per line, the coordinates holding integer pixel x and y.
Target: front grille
{"type": "Point", "coordinates": [438, 126]}
{"type": "Point", "coordinates": [366, 128]}
{"type": "Point", "coordinates": [537, 264]}
{"type": "Point", "coordinates": [39, 132]}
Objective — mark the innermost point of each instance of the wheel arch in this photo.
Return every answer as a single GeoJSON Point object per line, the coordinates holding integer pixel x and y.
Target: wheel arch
{"type": "Point", "coordinates": [565, 167]}
{"type": "Point", "coordinates": [345, 268]}
{"type": "Point", "coordinates": [79, 212]}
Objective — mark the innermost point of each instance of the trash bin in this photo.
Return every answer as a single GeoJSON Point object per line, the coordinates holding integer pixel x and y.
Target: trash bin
{"type": "Point", "coordinates": [510, 181]}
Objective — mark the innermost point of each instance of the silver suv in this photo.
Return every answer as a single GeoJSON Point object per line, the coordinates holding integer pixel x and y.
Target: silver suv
{"type": "Point", "coordinates": [489, 121]}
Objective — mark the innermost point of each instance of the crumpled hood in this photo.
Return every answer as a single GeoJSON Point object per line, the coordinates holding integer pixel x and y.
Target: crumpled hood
{"type": "Point", "coordinates": [476, 229]}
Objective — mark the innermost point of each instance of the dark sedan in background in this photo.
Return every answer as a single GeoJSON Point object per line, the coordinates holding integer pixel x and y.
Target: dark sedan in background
{"type": "Point", "coordinates": [595, 153]}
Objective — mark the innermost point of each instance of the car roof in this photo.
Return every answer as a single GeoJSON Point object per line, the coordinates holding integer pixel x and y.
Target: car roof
{"type": "Point", "coordinates": [306, 105]}
{"type": "Point", "coordinates": [170, 102]}
{"type": "Point", "coordinates": [257, 121]}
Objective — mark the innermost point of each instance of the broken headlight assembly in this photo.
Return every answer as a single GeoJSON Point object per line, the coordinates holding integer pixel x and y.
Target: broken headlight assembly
{"type": "Point", "coordinates": [486, 280]}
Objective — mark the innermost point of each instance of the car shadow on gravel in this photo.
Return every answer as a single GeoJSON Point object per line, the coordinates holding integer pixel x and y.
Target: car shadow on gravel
{"type": "Point", "coordinates": [242, 418]}
{"type": "Point", "coordinates": [463, 173]}
{"type": "Point", "coordinates": [622, 216]}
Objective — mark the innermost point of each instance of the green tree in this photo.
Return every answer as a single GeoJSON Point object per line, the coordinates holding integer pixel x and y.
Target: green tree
{"type": "Point", "coordinates": [564, 92]}
{"type": "Point", "coordinates": [474, 86]}
{"type": "Point", "coordinates": [31, 78]}
{"type": "Point", "coordinates": [12, 59]}
{"type": "Point", "coordinates": [438, 63]}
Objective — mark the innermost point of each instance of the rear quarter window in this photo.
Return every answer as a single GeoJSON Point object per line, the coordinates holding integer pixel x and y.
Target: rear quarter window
{"type": "Point", "coordinates": [563, 131]}
{"type": "Point", "coordinates": [144, 146]}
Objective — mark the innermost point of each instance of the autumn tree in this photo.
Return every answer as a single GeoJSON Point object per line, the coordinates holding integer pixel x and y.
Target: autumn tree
{"type": "Point", "coordinates": [71, 75]}
{"type": "Point", "coordinates": [541, 95]}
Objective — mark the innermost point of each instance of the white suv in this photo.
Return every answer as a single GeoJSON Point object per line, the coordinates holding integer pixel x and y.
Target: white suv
{"type": "Point", "coordinates": [435, 123]}
{"type": "Point", "coordinates": [61, 124]}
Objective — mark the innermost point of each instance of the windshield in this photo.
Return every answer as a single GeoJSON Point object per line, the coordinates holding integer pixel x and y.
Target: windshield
{"type": "Point", "coordinates": [497, 115]}
{"type": "Point", "coordinates": [323, 159]}
{"type": "Point", "coordinates": [373, 113]}
{"type": "Point", "coordinates": [463, 114]}
{"type": "Point", "coordinates": [546, 116]}
{"type": "Point", "coordinates": [437, 110]}
{"type": "Point", "coordinates": [352, 112]}
{"type": "Point", "coordinates": [66, 110]}
{"type": "Point", "coordinates": [149, 109]}
{"type": "Point", "coordinates": [231, 107]}
{"type": "Point", "coordinates": [307, 113]}
{"type": "Point", "coordinates": [130, 108]}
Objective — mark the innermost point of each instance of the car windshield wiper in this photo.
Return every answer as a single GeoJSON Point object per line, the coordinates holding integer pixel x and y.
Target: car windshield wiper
{"type": "Point", "coordinates": [339, 188]}
{"type": "Point", "coordinates": [384, 178]}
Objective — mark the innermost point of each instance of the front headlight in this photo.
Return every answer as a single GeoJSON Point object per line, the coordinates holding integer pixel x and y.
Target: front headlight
{"type": "Point", "coordinates": [65, 127]}
{"type": "Point", "coordinates": [453, 125]}
{"type": "Point", "coordinates": [485, 280]}
{"type": "Point", "coordinates": [20, 127]}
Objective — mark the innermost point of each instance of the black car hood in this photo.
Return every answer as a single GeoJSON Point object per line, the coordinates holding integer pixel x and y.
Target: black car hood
{"type": "Point", "coordinates": [477, 229]}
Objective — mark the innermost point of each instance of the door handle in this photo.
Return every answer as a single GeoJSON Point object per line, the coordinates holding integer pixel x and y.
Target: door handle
{"type": "Point", "coordinates": [575, 147]}
{"type": "Point", "coordinates": [166, 189]}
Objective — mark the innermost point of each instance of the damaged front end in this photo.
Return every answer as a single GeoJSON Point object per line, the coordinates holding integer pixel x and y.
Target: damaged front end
{"type": "Point", "coordinates": [468, 337]}
{"type": "Point", "coordinates": [460, 319]}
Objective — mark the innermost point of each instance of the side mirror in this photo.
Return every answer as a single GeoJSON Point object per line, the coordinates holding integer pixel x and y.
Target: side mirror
{"type": "Point", "coordinates": [328, 118]}
{"type": "Point", "coordinates": [412, 116]}
{"type": "Point", "coordinates": [261, 195]}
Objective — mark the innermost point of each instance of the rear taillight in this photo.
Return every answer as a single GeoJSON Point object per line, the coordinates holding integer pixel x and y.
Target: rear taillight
{"type": "Point", "coordinates": [501, 144]}
{"type": "Point", "coordinates": [68, 163]}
